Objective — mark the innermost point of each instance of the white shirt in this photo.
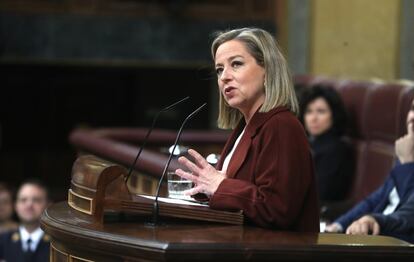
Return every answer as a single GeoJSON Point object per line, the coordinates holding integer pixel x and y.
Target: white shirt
{"type": "Point", "coordinates": [229, 156]}
{"type": "Point", "coordinates": [394, 200]}
{"type": "Point", "coordinates": [35, 236]}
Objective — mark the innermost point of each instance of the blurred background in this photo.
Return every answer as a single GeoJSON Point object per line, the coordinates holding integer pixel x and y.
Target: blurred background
{"type": "Point", "coordinates": [67, 64]}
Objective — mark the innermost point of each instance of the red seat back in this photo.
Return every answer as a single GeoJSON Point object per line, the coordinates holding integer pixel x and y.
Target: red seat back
{"type": "Point", "coordinates": [376, 117]}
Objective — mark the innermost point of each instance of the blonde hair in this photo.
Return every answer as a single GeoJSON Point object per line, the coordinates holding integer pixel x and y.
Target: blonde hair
{"type": "Point", "coordinates": [278, 85]}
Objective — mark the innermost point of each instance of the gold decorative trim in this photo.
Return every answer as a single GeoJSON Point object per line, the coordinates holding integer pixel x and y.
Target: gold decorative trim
{"type": "Point", "coordinates": [79, 258]}
{"type": "Point", "coordinates": [71, 258]}
{"type": "Point", "coordinates": [15, 237]}
{"type": "Point", "coordinates": [46, 238]}
{"type": "Point", "coordinates": [72, 204]}
{"type": "Point", "coordinates": [54, 249]}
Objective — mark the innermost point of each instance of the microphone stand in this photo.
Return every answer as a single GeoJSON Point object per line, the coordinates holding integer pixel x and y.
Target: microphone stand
{"type": "Point", "coordinates": [148, 134]}
{"type": "Point", "coordinates": [155, 209]}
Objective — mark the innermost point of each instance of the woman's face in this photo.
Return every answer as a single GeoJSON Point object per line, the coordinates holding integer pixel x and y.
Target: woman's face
{"type": "Point", "coordinates": [6, 206]}
{"type": "Point", "coordinates": [318, 117]}
{"type": "Point", "coordinates": [240, 78]}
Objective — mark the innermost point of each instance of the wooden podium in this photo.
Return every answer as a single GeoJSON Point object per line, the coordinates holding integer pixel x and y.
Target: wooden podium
{"type": "Point", "coordinates": [99, 186]}
{"type": "Point", "coordinates": [100, 223]}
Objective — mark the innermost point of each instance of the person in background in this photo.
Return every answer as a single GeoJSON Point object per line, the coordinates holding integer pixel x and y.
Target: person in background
{"type": "Point", "coordinates": [6, 209]}
{"type": "Point", "coordinates": [28, 243]}
{"type": "Point", "coordinates": [392, 195]}
{"type": "Point", "coordinates": [266, 169]}
{"type": "Point", "coordinates": [324, 117]}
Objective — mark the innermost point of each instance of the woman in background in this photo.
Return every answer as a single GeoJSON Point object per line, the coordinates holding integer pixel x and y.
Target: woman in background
{"type": "Point", "coordinates": [6, 209]}
{"type": "Point", "coordinates": [324, 117]}
{"type": "Point", "coordinates": [266, 168]}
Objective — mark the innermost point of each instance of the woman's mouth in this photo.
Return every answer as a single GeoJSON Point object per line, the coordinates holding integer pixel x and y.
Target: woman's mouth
{"type": "Point", "coordinates": [228, 90]}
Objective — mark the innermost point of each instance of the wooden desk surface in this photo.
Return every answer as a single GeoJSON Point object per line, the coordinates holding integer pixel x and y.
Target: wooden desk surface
{"type": "Point", "coordinates": [188, 240]}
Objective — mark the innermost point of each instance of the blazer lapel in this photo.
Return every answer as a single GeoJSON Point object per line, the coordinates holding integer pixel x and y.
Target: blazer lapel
{"type": "Point", "coordinates": [42, 249]}
{"type": "Point", "coordinates": [16, 247]}
{"type": "Point", "coordinates": [243, 147]}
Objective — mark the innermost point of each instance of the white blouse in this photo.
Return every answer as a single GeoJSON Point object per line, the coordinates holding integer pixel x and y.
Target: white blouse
{"type": "Point", "coordinates": [230, 155]}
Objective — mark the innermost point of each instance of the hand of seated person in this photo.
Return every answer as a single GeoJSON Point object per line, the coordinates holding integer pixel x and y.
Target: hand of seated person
{"type": "Point", "coordinates": [404, 146]}
{"type": "Point", "coordinates": [333, 228]}
{"type": "Point", "coordinates": [364, 226]}
{"type": "Point", "coordinates": [205, 177]}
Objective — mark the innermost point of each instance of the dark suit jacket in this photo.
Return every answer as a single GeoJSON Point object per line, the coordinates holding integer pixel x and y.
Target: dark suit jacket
{"type": "Point", "coordinates": [270, 176]}
{"type": "Point", "coordinates": [401, 177]}
{"type": "Point", "coordinates": [400, 223]}
{"type": "Point", "coordinates": [333, 165]}
{"type": "Point", "coordinates": [11, 248]}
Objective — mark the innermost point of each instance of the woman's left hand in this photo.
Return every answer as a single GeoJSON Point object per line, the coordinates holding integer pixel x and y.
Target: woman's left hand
{"type": "Point", "coordinates": [205, 177]}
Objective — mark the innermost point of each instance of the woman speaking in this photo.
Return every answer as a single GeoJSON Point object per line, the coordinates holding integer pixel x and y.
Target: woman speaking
{"type": "Point", "coordinates": [266, 167]}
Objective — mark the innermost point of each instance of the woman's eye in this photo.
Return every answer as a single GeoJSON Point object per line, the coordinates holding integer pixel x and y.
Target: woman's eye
{"type": "Point", "coordinates": [236, 63]}
{"type": "Point", "coordinates": [322, 111]}
{"type": "Point", "coordinates": [219, 70]}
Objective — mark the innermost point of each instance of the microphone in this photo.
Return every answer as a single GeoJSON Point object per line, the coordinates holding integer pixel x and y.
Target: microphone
{"type": "Point", "coordinates": [155, 209]}
{"type": "Point", "coordinates": [149, 132]}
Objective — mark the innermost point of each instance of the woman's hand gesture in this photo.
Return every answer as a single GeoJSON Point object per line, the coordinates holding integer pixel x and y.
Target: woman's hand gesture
{"type": "Point", "coordinates": [205, 177]}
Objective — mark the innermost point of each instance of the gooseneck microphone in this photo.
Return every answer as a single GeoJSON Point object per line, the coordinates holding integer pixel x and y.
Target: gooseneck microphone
{"type": "Point", "coordinates": [149, 132]}
{"type": "Point", "coordinates": [155, 209]}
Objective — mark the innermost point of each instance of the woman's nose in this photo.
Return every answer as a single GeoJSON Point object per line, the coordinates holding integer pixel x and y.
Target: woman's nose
{"type": "Point", "coordinates": [313, 118]}
{"type": "Point", "coordinates": [225, 75]}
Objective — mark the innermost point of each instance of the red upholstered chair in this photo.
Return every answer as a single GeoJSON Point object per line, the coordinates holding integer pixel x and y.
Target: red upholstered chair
{"type": "Point", "coordinates": [383, 117]}
{"type": "Point", "coordinates": [377, 113]}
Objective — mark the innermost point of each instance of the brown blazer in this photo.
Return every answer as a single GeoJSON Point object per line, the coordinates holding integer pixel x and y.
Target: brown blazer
{"type": "Point", "coordinates": [270, 176]}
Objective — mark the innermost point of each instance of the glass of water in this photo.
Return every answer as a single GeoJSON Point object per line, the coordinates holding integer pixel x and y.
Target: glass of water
{"type": "Point", "coordinates": [177, 185]}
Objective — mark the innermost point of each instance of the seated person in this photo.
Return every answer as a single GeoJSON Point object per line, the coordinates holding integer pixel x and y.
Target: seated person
{"type": "Point", "coordinates": [398, 224]}
{"type": "Point", "coordinates": [395, 191]}
{"type": "Point", "coordinates": [324, 117]}
{"type": "Point", "coordinates": [28, 242]}
{"type": "Point", "coordinates": [6, 209]}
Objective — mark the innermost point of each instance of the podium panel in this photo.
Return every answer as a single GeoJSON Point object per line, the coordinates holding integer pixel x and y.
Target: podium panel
{"type": "Point", "coordinates": [74, 237]}
{"type": "Point", "coordinates": [103, 221]}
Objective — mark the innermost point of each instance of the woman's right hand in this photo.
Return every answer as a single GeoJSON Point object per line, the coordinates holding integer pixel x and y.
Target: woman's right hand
{"type": "Point", "coordinates": [205, 177]}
